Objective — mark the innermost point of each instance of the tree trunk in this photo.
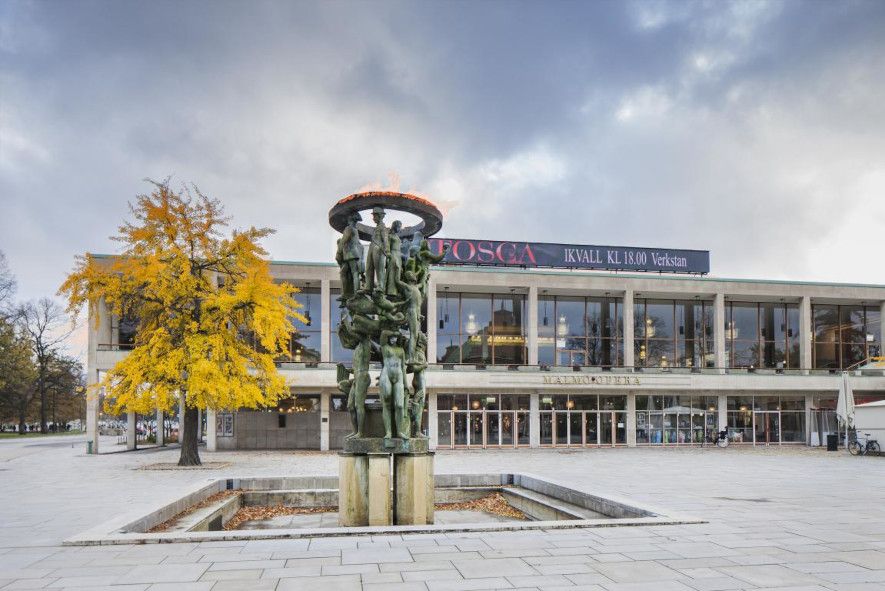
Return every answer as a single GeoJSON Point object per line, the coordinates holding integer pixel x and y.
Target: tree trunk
{"type": "Point", "coordinates": [190, 456]}
{"type": "Point", "coordinates": [42, 387]}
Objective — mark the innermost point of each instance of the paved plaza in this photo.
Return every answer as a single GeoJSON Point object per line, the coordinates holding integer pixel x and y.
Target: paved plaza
{"type": "Point", "coordinates": [792, 519]}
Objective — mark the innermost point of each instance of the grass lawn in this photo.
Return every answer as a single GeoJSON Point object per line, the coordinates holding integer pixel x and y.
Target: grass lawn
{"type": "Point", "coordinates": [8, 435]}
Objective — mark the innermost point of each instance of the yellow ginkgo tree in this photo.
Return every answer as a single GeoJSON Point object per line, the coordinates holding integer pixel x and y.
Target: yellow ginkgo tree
{"type": "Point", "coordinates": [210, 319]}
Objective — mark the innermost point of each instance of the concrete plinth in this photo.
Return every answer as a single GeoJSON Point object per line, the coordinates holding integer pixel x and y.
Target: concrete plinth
{"type": "Point", "coordinates": [379, 489]}
{"type": "Point", "coordinates": [413, 489]}
{"type": "Point", "coordinates": [353, 489]}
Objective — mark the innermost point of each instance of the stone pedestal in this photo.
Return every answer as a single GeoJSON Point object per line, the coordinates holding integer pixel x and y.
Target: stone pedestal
{"type": "Point", "coordinates": [353, 489]}
{"type": "Point", "coordinates": [377, 487]}
{"type": "Point", "coordinates": [413, 488]}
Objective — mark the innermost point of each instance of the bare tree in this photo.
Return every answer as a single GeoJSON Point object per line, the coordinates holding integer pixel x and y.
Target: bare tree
{"type": "Point", "coordinates": [7, 288]}
{"type": "Point", "coordinates": [47, 327]}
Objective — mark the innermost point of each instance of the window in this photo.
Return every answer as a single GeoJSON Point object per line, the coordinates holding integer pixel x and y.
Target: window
{"type": "Point", "coordinates": [338, 352]}
{"type": "Point", "coordinates": [584, 331]}
{"type": "Point", "coordinates": [481, 328]}
{"type": "Point", "coordinates": [761, 334]}
{"type": "Point", "coordinates": [844, 335]}
{"type": "Point", "coordinates": [304, 343]}
{"type": "Point", "coordinates": [671, 333]}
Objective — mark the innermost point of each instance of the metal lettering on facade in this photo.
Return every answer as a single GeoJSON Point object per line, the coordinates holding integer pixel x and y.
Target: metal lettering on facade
{"type": "Point", "coordinates": [570, 256]}
{"type": "Point", "coordinates": [592, 380]}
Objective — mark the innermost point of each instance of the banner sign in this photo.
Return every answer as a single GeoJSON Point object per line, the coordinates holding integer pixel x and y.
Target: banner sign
{"type": "Point", "coordinates": [570, 256]}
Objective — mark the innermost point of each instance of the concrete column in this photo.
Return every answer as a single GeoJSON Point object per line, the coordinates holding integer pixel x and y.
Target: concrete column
{"type": "Point", "coordinates": [211, 430]}
{"type": "Point", "coordinates": [131, 420]}
{"type": "Point", "coordinates": [199, 425]}
{"type": "Point", "coordinates": [719, 332]}
{"type": "Point", "coordinates": [723, 411]}
{"type": "Point", "coordinates": [432, 321]}
{"type": "Point", "coordinates": [93, 408]}
{"type": "Point", "coordinates": [631, 419]}
{"type": "Point", "coordinates": [93, 394]}
{"type": "Point", "coordinates": [805, 358]}
{"type": "Point", "coordinates": [432, 420]}
{"type": "Point", "coordinates": [161, 432]}
{"type": "Point", "coordinates": [627, 315]}
{"type": "Point", "coordinates": [325, 400]}
{"type": "Point", "coordinates": [534, 420]}
{"type": "Point", "coordinates": [809, 404]}
{"type": "Point", "coordinates": [532, 333]}
{"type": "Point", "coordinates": [325, 321]}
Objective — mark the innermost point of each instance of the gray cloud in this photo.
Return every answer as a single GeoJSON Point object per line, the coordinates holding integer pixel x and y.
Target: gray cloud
{"type": "Point", "coordinates": [753, 129]}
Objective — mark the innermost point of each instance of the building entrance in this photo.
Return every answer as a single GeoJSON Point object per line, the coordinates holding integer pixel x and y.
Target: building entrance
{"type": "Point", "coordinates": [482, 420]}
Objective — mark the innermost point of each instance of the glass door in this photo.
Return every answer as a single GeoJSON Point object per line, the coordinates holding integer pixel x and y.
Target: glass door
{"type": "Point", "coordinates": [591, 428]}
{"type": "Point", "coordinates": [460, 430]}
{"type": "Point", "coordinates": [477, 434]}
{"type": "Point", "coordinates": [576, 429]}
{"type": "Point", "coordinates": [444, 429]}
{"type": "Point", "coordinates": [767, 428]}
{"type": "Point", "coordinates": [507, 422]}
{"type": "Point", "coordinates": [493, 429]}
{"type": "Point", "coordinates": [607, 428]}
{"type": "Point", "coordinates": [561, 428]}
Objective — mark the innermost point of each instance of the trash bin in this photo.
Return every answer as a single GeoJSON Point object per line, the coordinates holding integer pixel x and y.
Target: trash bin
{"type": "Point", "coordinates": [832, 442]}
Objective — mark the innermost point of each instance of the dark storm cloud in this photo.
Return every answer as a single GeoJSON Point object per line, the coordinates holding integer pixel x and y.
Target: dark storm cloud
{"type": "Point", "coordinates": [753, 129]}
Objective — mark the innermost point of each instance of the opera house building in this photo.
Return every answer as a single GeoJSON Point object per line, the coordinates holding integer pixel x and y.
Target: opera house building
{"type": "Point", "coordinates": [539, 345]}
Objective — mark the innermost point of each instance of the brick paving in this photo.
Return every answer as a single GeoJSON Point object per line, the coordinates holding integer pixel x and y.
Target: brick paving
{"type": "Point", "coordinates": [785, 519]}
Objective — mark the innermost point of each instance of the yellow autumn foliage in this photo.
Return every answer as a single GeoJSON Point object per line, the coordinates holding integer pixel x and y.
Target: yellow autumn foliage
{"type": "Point", "coordinates": [211, 320]}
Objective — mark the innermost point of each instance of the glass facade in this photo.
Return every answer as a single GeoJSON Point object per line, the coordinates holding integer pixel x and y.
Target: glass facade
{"type": "Point", "coordinates": [482, 420]}
{"type": "Point", "coordinates": [761, 334]}
{"type": "Point", "coordinates": [680, 420]}
{"type": "Point", "coordinates": [766, 420]}
{"type": "Point", "coordinates": [304, 343]}
{"type": "Point", "coordinates": [583, 420]}
{"type": "Point", "coordinates": [580, 331]}
{"type": "Point", "coordinates": [845, 335]}
{"type": "Point", "coordinates": [483, 329]}
{"type": "Point", "coordinates": [338, 353]}
{"type": "Point", "coordinates": [673, 333]}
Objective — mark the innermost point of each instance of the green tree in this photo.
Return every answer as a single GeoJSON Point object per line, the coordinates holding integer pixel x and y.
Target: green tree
{"type": "Point", "coordinates": [191, 291]}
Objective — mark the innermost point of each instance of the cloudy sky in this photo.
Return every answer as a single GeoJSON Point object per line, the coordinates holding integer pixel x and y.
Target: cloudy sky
{"type": "Point", "coordinates": [755, 130]}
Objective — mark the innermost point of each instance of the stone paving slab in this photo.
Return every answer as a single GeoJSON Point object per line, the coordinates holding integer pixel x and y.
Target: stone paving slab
{"type": "Point", "coordinates": [777, 520]}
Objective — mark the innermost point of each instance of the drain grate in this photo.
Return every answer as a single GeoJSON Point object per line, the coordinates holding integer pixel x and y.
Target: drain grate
{"type": "Point", "coordinates": [740, 499]}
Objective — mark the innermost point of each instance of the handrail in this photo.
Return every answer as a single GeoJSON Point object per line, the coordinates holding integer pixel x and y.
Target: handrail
{"type": "Point", "coordinates": [579, 368]}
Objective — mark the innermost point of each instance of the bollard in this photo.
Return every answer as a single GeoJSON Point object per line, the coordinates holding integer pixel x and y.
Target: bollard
{"type": "Point", "coordinates": [89, 448]}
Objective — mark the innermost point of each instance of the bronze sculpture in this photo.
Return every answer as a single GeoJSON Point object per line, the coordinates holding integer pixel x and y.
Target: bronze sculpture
{"type": "Point", "coordinates": [381, 301]}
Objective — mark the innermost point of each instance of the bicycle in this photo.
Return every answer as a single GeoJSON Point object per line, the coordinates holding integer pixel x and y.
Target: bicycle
{"type": "Point", "coordinates": [719, 439]}
{"type": "Point", "coordinates": [870, 446]}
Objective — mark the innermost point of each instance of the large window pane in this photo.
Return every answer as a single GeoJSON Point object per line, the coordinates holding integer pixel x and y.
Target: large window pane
{"type": "Point", "coordinates": [826, 324]}
{"type": "Point", "coordinates": [570, 317]}
{"type": "Point", "coordinates": [745, 322]}
{"type": "Point", "coordinates": [448, 349]}
{"type": "Point", "coordinates": [476, 314]}
{"type": "Point", "coordinates": [659, 319]}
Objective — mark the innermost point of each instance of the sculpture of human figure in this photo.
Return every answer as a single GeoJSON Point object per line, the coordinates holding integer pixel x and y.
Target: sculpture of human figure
{"type": "Point", "coordinates": [379, 253]}
{"type": "Point", "coordinates": [350, 258]}
{"type": "Point", "coordinates": [422, 263]}
{"type": "Point", "coordinates": [392, 386]}
{"type": "Point", "coordinates": [395, 261]}
{"type": "Point", "coordinates": [356, 398]}
{"type": "Point", "coordinates": [419, 386]}
{"type": "Point", "coordinates": [412, 293]}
